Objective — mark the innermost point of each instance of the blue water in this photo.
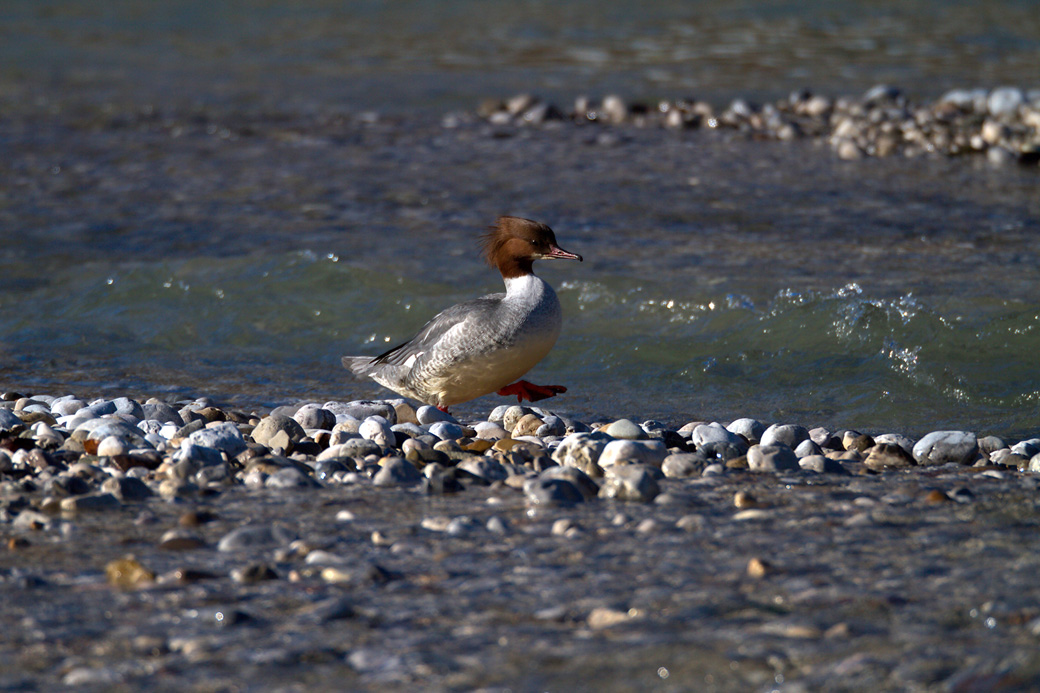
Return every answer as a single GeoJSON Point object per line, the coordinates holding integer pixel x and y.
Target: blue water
{"type": "Point", "coordinates": [204, 200]}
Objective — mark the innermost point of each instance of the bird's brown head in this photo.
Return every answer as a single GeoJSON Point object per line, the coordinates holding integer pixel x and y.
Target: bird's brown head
{"type": "Point", "coordinates": [513, 244]}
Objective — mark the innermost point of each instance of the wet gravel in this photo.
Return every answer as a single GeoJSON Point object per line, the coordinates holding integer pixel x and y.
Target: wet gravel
{"type": "Point", "coordinates": [1002, 123]}
{"type": "Point", "coordinates": [183, 545]}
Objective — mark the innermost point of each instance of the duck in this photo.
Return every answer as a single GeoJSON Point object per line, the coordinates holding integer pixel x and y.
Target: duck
{"type": "Point", "coordinates": [486, 344]}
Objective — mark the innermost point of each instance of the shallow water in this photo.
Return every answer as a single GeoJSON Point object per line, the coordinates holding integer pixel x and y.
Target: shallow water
{"type": "Point", "coordinates": [172, 228]}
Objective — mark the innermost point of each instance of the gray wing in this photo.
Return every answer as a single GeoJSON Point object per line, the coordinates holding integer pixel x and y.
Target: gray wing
{"type": "Point", "coordinates": [432, 331]}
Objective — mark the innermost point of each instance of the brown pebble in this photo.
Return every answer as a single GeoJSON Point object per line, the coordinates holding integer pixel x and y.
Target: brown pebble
{"type": "Point", "coordinates": [194, 518]}
{"type": "Point", "coordinates": [737, 463]}
{"type": "Point", "coordinates": [936, 496]}
{"type": "Point", "coordinates": [254, 572]}
{"type": "Point", "coordinates": [861, 443]}
{"type": "Point", "coordinates": [479, 446]}
{"type": "Point", "coordinates": [128, 572]}
{"type": "Point", "coordinates": [15, 543]}
{"type": "Point", "coordinates": [743, 499]}
{"type": "Point", "coordinates": [212, 414]}
{"type": "Point", "coordinates": [758, 568]}
{"type": "Point", "coordinates": [191, 575]}
{"type": "Point", "coordinates": [173, 541]}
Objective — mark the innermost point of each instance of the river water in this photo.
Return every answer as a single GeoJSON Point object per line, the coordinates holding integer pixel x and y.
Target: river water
{"type": "Point", "coordinates": [198, 199]}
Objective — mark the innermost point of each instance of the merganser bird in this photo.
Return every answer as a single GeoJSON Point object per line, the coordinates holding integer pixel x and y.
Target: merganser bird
{"type": "Point", "coordinates": [482, 345]}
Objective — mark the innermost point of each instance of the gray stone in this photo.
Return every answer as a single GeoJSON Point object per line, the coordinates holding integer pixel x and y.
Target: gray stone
{"type": "Point", "coordinates": [409, 429]}
{"type": "Point", "coordinates": [629, 482]}
{"type": "Point", "coordinates": [377, 429]}
{"type": "Point", "coordinates": [552, 426]}
{"type": "Point", "coordinates": [772, 458]}
{"type": "Point", "coordinates": [683, 465]}
{"type": "Point", "coordinates": [888, 456]}
{"type": "Point", "coordinates": [160, 411]}
{"type": "Point", "coordinates": [623, 429]}
{"type": "Point", "coordinates": [715, 433]}
{"type": "Point", "coordinates": [633, 452]}
{"type": "Point", "coordinates": [485, 468]}
{"type": "Point", "coordinates": [589, 489]}
{"type": "Point", "coordinates": [1027, 448]}
{"type": "Point", "coordinates": [582, 450]}
{"type": "Point", "coordinates": [355, 447]}
{"type": "Point", "coordinates": [112, 446]}
{"type": "Point", "coordinates": [314, 417]}
{"type": "Point", "coordinates": [446, 431]}
{"type": "Point", "coordinates": [790, 435]}
{"type": "Point", "coordinates": [397, 471]}
{"type": "Point", "coordinates": [256, 537]}
{"type": "Point", "coordinates": [989, 444]}
{"type": "Point", "coordinates": [552, 492]}
{"type": "Point", "coordinates": [490, 431]}
{"type": "Point", "coordinates": [127, 488]}
{"type": "Point", "coordinates": [101, 407]}
{"type": "Point", "coordinates": [271, 426]}
{"type": "Point", "coordinates": [103, 428]}
{"type": "Point", "coordinates": [1034, 463]}
{"type": "Point", "coordinates": [498, 413]}
{"type": "Point", "coordinates": [223, 436]}
{"type": "Point", "coordinates": [362, 409]}
{"type": "Point", "coordinates": [429, 414]}
{"type": "Point", "coordinates": [806, 448]}
{"type": "Point", "coordinates": [93, 501]}
{"type": "Point", "coordinates": [822, 465]}
{"type": "Point", "coordinates": [290, 477]}
{"type": "Point", "coordinates": [968, 99]}
{"type": "Point", "coordinates": [1005, 101]}
{"type": "Point", "coordinates": [749, 428]}
{"type": "Point", "coordinates": [66, 406]}
{"type": "Point", "coordinates": [943, 447]}
{"type": "Point", "coordinates": [125, 406]}
{"type": "Point", "coordinates": [826, 439]}
{"type": "Point", "coordinates": [896, 439]}
{"type": "Point", "coordinates": [512, 416]}
{"type": "Point", "coordinates": [198, 455]}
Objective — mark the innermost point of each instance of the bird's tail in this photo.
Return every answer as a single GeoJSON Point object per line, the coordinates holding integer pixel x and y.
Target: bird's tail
{"type": "Point", "coordinates": [360, 366]}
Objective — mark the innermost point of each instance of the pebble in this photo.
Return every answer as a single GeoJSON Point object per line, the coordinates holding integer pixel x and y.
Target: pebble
{"type": "Point", "coordinates": [771, 458]}
{"type": "Point", "coordinates": [256, 537]}
{"type": "Point", "coordinates": [629, 482]}
{"type": "Point", "coordinates": [791, 435]}
{"type": "Point", "coordinates": [377, 429]}
{"type": "Point", "coordinates": [881, 122]}
{"type": "Point", "coordinates": [582, 450]}
{"type": "Point", "coordinates": [750, 429]}
{"type": "Point", "coordinates": [623, 429]}
{"type": "Point", "coordinates": [362, 409]}
{"type": "Point", "coordinates": [446, 430]}
{"type": "Point", "coordinates": [943, 447]}
{"type": "Point", "coordinates": [223, 436]}
{"type": "Point", "coordinates": [582, 481]}
{"type": "Point", "coordinates": [888, 456]}
{"type": "Point", "coordinates": [397, 471]}
{"type": "Point", "coordinates": [428, 414]}
{"type": "Point", "coordinates": [683, 465]}
{"type": "Point", "coordinates": [278, 430]}
{"type": "Point", "coordinates": [633, 452]}
{"type": "Point", "coordinates": [314, 416]}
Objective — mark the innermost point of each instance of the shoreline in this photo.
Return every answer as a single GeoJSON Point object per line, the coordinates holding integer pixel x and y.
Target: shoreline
{"type": "Point", "coordinates": [324, 545]}
{"type": "Point", "coordinates": [1002, 123]}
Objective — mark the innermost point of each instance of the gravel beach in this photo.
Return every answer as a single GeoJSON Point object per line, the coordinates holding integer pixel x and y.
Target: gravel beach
{"type": "Point", "coordinates": [369, 545]}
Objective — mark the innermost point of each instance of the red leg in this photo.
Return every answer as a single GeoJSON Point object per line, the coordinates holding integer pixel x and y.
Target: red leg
{"type": "Point", "coordinates": [443, 409]}
{"type": "Point", "coordinates": [529, 391]}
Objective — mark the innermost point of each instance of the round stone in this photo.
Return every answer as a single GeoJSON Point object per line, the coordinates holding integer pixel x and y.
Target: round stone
{"type": "Point", "coordinates": [623, 429]}
{"type": "Point", "coordinates": [943, 447]}
{"type": "Point", "coordinates": [771, 458]}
